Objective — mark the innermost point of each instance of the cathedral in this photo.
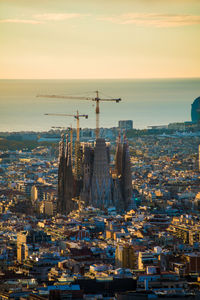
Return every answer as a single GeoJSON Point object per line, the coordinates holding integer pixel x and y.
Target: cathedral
{"type": "Point", "coordinates": [91, 180]}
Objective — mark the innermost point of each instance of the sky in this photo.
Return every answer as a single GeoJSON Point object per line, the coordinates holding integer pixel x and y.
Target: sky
{"type": "Point", "coordinates": [71, 39]}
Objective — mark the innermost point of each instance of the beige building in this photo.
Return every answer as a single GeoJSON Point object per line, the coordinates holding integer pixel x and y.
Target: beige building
{"type": "Point", "coordinates": [125, 256]}
{"type": "Point", "coordinates": [27, 240]}
{"type": "Point", "coordinates": [34, 194]}
{"type": "Point", "coordinates": [147, 259]}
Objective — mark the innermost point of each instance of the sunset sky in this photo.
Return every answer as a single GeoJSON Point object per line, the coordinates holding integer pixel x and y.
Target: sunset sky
{"type": "Point", "coordinates": [99, 39]}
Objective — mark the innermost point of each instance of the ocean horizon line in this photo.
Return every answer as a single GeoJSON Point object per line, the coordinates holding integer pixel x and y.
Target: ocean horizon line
{"type": "Point", "coordinates": [117, 78]}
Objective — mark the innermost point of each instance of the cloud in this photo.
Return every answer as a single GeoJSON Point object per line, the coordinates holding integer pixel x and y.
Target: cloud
{"type": "Point", "coordinates": [155, 20]}
{"type": "Point", "coordinates": [138, 19]}
{"type": "Point", "coordinates": [44, 18]}
{"type": "Point", "coordinates": [23, 21]}
{"type": "Point", "coordinates": [57, 16]}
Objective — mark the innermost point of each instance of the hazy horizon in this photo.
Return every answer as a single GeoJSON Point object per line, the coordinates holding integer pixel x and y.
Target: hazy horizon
{"type": "Point", "coordinates": [145, 101]}
{"type": "Point", "coordinates": [104, 78]}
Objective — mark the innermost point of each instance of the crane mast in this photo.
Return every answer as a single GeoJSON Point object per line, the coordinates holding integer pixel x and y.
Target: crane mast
{"type": "Point", "coordinates": [76, 116]}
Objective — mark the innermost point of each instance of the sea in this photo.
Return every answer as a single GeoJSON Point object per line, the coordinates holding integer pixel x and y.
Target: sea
{"type": "Point", "coordinates": [147, 102]}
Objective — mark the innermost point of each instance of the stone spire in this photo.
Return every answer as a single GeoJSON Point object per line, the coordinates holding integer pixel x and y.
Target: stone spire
{"type": "Point", "coordinates": [101, 180]}
{"type": "Point", "coordinates": [88, 158]}
{"type": "Point", "coordinates": [69, 158]}
{"type": "Point", "coordinates": [69, 181]}
{"type": "Point", "coordinates": [66, 148]}
{"type": "Point", "coordinates": [126, 174]}
{"type": "Point", "coordinates": [61, 172]}
{"type": "Point", "coordinates": [117, 194]}
{"type": "Point", "coordinates": [65, 178]}
{"type": "Point", "coordinates": [61, 148]}
{"type": "Point", "coordinates": [118, 156]}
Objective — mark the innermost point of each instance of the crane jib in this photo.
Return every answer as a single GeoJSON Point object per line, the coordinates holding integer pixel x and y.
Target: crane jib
{"type": "Point", "coordinates": [96, 99]}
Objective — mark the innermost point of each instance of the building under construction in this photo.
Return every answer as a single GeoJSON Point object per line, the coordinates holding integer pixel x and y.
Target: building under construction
{"type": "Point", "coordinates": [91, 180]}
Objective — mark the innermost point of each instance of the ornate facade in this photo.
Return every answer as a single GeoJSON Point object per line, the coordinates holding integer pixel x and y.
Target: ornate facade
{"type": "Point", "coordinates": [124, 174]}
{"type": "Point", "coordinates": [91, 180]}
{"type": "Point", "coordinates": [101, 179]}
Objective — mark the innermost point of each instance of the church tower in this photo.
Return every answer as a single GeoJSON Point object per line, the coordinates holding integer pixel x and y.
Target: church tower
{"type": "Point", "coordinates": [65, 178]}
{"type": "Point", "coordinates": [101, 179]}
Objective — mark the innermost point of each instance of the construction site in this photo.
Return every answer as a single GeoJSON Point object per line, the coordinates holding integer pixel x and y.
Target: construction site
{"type": "Point", "coordinates": [85, 176]}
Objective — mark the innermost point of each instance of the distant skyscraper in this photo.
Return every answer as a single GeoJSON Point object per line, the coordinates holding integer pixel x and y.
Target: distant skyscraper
{"type": "Point", "coordinates": [195, 111]}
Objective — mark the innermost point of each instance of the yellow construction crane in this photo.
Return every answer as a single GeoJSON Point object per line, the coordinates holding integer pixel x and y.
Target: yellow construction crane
{"type": "Point", "coordinates": [76, 116]}
{"type": "Point", "coordinates": [96, 99]}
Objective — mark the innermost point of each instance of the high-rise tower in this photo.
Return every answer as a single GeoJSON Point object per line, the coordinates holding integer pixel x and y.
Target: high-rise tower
{"type": "Point", "coordinates": [195, 111]}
